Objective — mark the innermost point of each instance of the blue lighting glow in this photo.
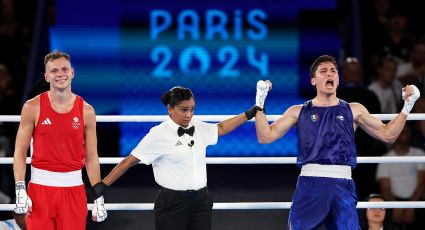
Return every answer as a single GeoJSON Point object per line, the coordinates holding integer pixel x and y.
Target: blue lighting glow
{"type": "Point", "coordinates": [127, 54]}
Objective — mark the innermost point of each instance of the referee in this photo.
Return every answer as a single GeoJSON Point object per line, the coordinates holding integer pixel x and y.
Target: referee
{"type": "Point", "coordinates": [176, 148]}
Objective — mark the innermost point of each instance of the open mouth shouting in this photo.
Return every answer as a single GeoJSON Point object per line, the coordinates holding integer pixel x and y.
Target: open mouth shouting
{"type": "Point", "coordinates": [329, 84]}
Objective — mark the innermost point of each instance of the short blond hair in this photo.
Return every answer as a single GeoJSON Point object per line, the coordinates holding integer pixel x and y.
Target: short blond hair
{"type": "Point", "coordinates": [56, 55]}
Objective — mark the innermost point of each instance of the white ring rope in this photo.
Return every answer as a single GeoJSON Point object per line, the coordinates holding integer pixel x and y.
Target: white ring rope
{"type": "Point", "coordinates": [231, 160]}
{"type": "Point", "coordinates": [212, 118]}
{"type": "Point", "coordinates": [261, 160]}
{"type": "Point", "coordinates": [236, 160]}
{"type": "Point", "coordinates": [245, 205]}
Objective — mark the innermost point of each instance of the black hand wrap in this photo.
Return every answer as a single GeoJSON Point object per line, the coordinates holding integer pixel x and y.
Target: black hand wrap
{"type": "Point", "coordinates": [98, 190]}
{"type": "Point", "coordinates": [250, 113]}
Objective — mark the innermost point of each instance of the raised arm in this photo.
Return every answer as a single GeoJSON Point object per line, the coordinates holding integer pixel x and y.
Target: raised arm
{"type": "Point", "coordinates": [269, 133]}
{"type": "Point", "coordinates": [389, 132]}
{"type": "Point", "coordinates": [229, 125]}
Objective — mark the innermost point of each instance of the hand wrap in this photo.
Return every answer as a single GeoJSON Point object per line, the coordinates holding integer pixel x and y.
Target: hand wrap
{"type": "Point", "coordinates": [410, 102]}
{"type": "Point", "coordinates": [23, 201]}
{"type": "Point", "coordinates": [262, 90]}
{"type": "Point", "coordinates": [99, 213]}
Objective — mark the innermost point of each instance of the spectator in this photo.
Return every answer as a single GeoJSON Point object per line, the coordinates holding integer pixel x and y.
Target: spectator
{"type": "Point", "coordinates": [354, 90]}
{"type": "Point", "coordinates": [376, 23]}
{"type": "Point", "coordinates": [4, 175]}
{"type": "Point", "coordinates": [9, 34]}
{"type": "Point", "coordinates": [8, 98]}
{"type": "Point", "coordinates": [8, 106]}
{"type": "Point", "coordinates": [387, 88]}
{"type": "Point", "coordinates": [398, 41]}
{"type": "Point", "coordinates": [403, 182]}
{"type": "Point", "coordinates": [413, 72]}
{"type": "Point", "coordinates": [375, 218]}
{"type": "Point", "coordinates": [418, 130]}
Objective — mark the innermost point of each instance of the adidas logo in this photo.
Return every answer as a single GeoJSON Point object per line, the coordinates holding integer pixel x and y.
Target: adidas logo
{"type": "Point", "coordinates": [178, 143]}
{"type": "Point", "coordinates": [46, 122]}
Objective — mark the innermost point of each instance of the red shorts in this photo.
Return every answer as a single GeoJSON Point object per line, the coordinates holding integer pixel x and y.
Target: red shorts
{"type": "Point", "coordinates": [59, 208]}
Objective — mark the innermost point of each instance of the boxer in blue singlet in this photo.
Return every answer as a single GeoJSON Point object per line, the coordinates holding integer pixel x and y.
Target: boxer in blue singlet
{"type": "Point", "coordinates": [325, 193]}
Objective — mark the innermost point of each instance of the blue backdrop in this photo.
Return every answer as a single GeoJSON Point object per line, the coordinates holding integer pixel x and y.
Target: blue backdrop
{"type": "Point", "coordinates": [127, 53]}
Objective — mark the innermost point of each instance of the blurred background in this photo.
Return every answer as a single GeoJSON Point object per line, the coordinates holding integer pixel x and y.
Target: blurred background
{"type": "Point", "coordinates": [127, 53]}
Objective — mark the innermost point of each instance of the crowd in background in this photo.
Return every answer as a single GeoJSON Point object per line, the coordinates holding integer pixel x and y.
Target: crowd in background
{"type": "Point", "coordinates": [16, 26]}
{"type": "Point", "coordinates": [393, 55]}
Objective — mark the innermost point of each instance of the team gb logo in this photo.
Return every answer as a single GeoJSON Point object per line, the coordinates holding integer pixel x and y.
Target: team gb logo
{"type": "Point", "coordinates": [75, 124]}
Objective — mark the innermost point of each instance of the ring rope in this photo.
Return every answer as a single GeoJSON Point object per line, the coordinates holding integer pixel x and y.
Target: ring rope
{"type": "Point", "coordinates": [261, 160]}
{"type": "Point", "coordinates": [245, 205]}
{"type": "Point", "coordinates": [237, 160]}
{"type": "Point", "coordinates": [212, 118]}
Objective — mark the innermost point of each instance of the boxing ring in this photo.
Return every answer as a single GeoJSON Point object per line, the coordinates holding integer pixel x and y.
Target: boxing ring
{"type": "Point", "coordinates": [237, 160]}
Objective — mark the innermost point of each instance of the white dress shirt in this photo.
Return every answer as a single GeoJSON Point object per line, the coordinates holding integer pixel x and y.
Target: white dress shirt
{"type": "Point", "coordinates": [176, 163]}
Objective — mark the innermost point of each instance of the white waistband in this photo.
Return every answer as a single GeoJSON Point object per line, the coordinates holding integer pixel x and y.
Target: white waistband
{"type": "Point", "coordinates": [56, 179]}
{"type": "Point", "coordinates": [332, 171]}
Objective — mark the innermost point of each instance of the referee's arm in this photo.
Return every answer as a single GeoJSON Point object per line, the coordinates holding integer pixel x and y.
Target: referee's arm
{"type": "Point", "coordinates": [229, 125]}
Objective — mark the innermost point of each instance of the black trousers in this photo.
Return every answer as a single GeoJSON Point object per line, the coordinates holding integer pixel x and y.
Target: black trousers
{"type": "Point", "coordinates": [183, 210]}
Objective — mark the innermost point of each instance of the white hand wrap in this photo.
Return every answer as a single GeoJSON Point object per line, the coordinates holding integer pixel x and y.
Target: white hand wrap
{"type": "Point", "coordinates": [262, 90]}
{"type": "Point", "coordinates": [23, 201]}
{"type": "Point", "coordinates": [99, 213]}
{"type": "Point", "coordinates": [410, 102]}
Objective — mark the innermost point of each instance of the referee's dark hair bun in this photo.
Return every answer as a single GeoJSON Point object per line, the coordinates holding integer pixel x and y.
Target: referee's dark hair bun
{"type": "Point", "coordinates": [176, 95]}
{"type": "Point", "coordinates": [165, 97]}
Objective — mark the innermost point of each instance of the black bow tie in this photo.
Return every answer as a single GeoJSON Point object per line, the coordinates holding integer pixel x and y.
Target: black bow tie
{"type": "Point", "coordinates": [181, 131]}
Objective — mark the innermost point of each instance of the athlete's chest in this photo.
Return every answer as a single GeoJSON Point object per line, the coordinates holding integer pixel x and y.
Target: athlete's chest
{"type": "Point", "coordinates": [70, 124]}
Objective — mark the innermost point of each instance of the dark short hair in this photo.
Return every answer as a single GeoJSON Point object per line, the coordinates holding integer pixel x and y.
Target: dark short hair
{"type": "Point", "coordinates": [176, 95]}
{"type": "Point", "coordinates": [320, 60]}
{"type": "Point", "coordinates": [56, 55]}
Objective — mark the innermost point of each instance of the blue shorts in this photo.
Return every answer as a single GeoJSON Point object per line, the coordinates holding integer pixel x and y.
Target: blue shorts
{"type": "Point", "coordinates": [323, 200]}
